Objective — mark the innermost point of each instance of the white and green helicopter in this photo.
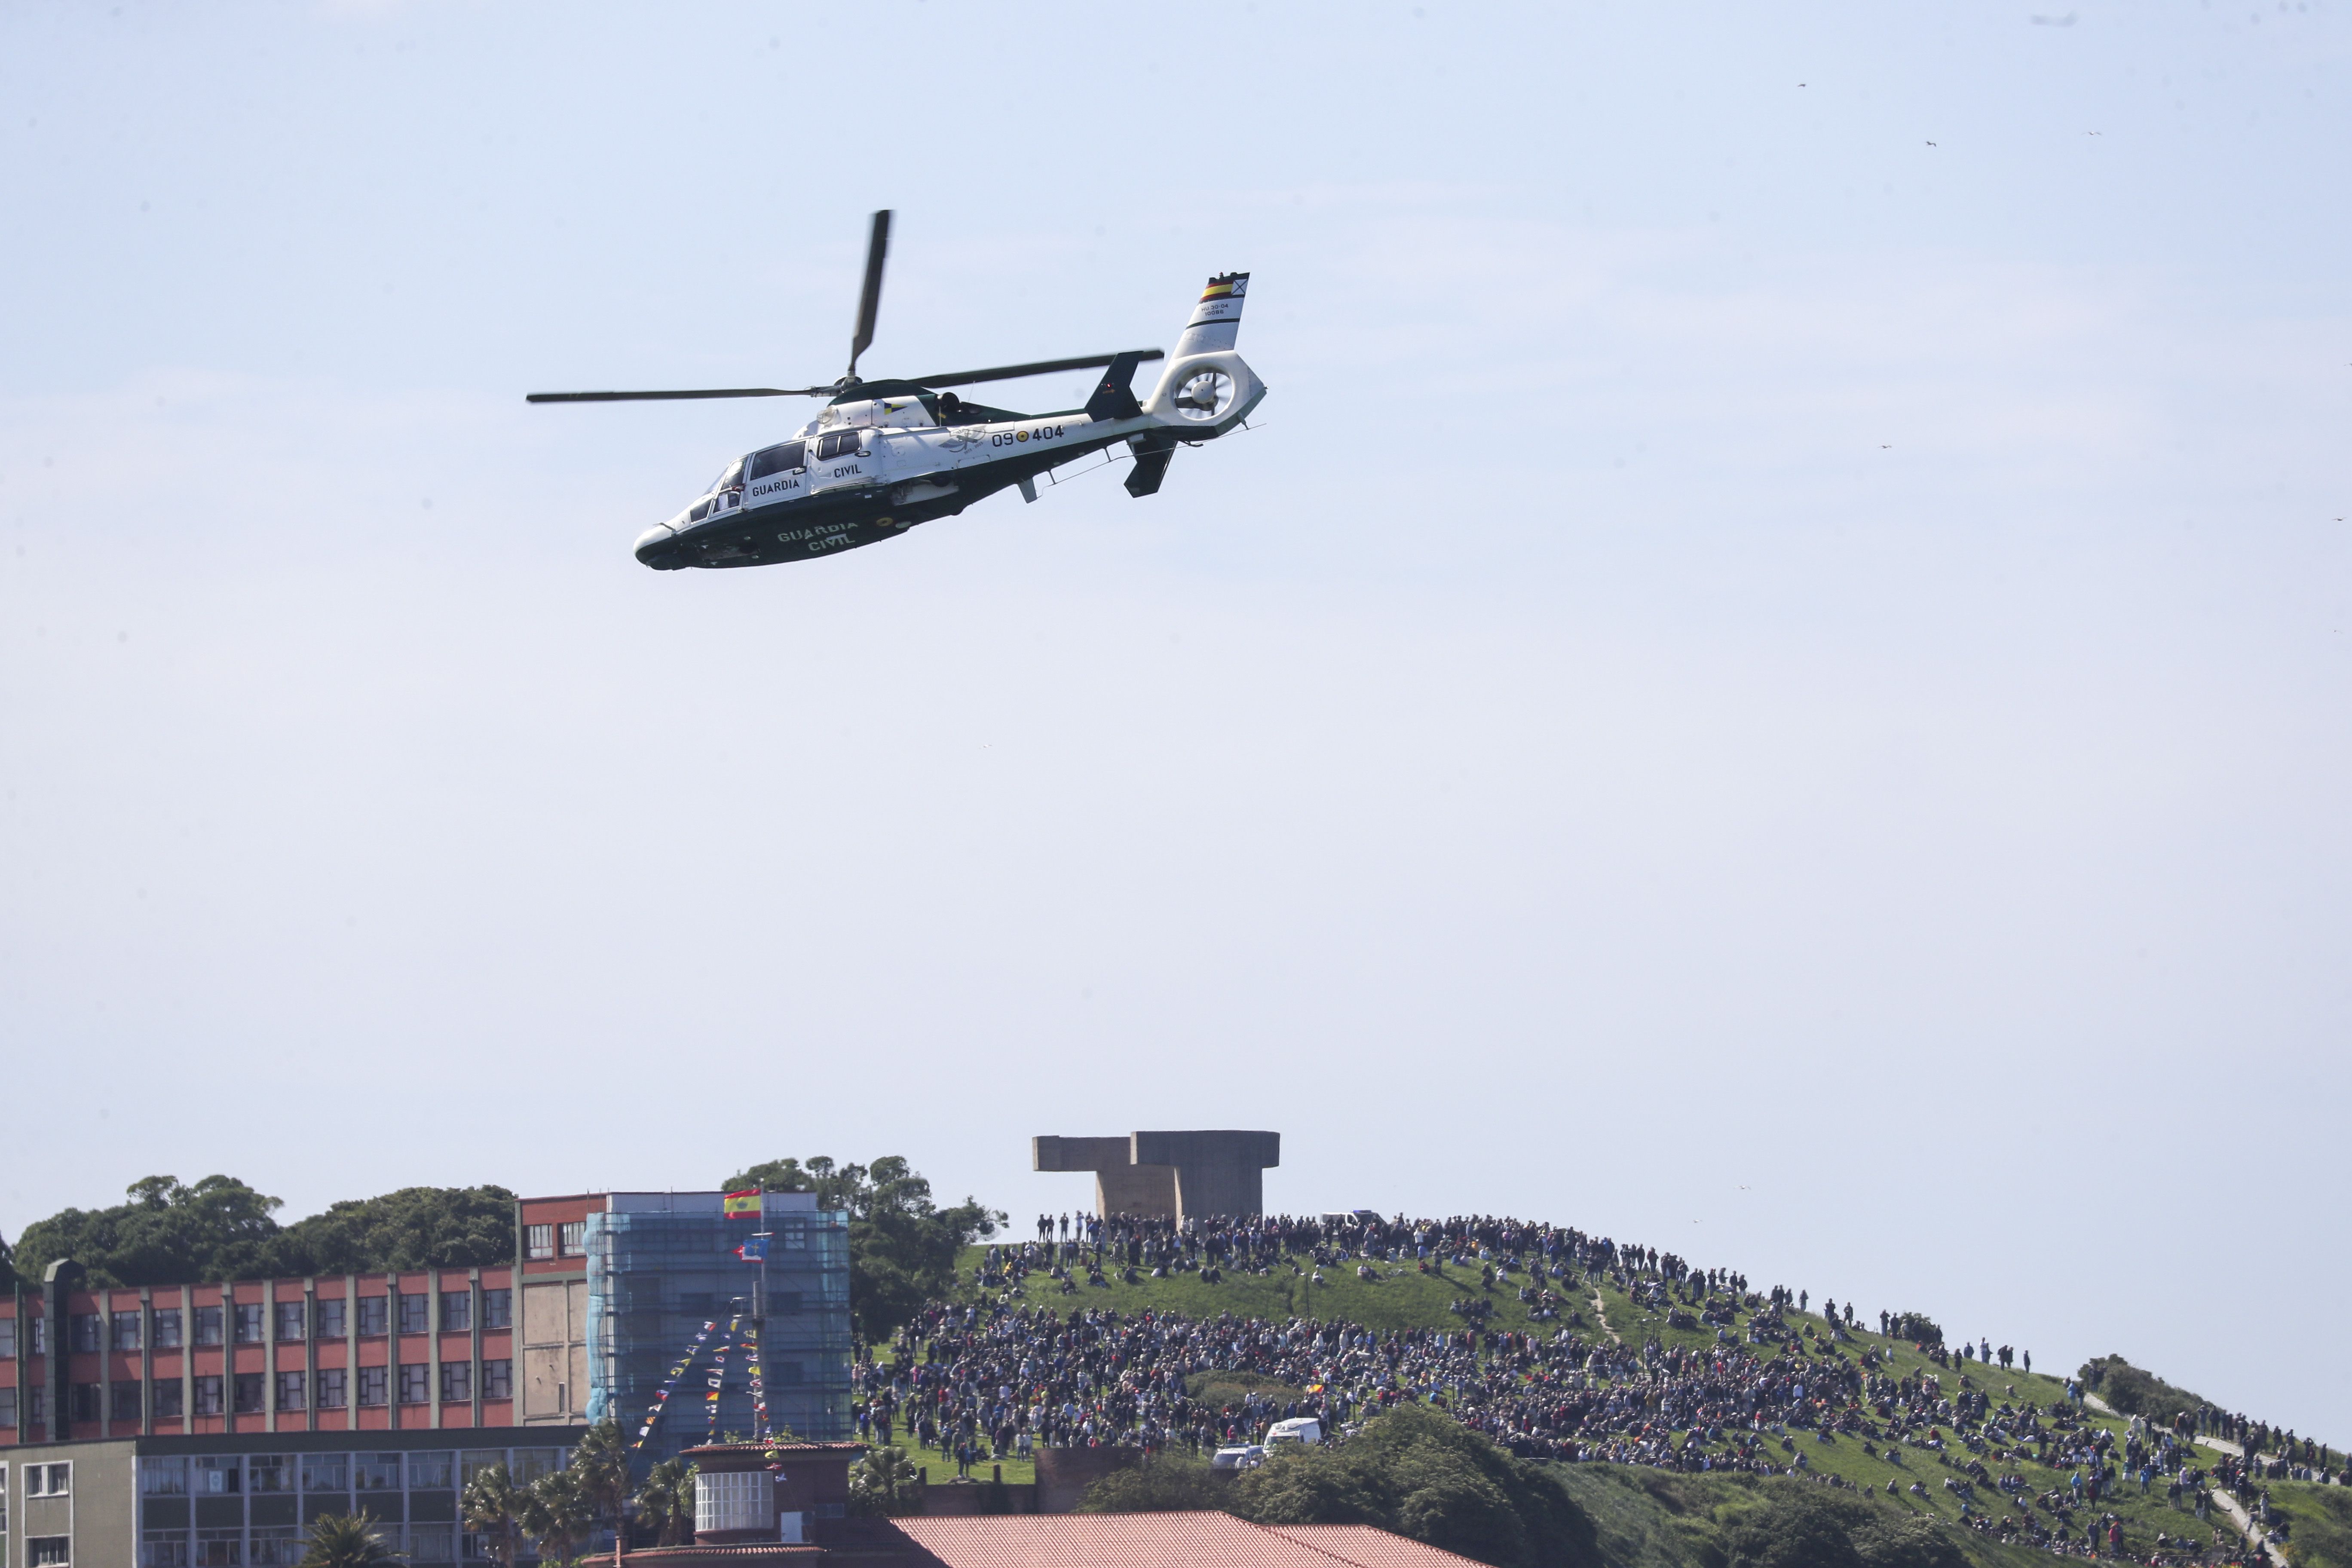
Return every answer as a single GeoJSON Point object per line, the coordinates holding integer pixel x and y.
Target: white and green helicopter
{"type": "Point", "coordinates": [884, 455]}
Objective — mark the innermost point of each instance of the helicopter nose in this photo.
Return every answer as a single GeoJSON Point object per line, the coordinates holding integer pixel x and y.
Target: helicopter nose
{"type": "Point", "coordinates": [657, 548]}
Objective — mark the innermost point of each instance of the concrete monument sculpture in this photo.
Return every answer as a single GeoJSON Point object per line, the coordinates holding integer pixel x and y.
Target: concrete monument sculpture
{"type": "Point", "coordinates": [1171, 1175]}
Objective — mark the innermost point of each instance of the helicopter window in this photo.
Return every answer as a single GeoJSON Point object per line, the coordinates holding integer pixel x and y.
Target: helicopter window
{"type": "Point", "coordinates": [841, 443]}
{"type": "Point", "coordinates": [733, 476]}
{"type": "Point", "coordinates": [777, 459]}
{"type": "Point", "coordinates": [701, 509]}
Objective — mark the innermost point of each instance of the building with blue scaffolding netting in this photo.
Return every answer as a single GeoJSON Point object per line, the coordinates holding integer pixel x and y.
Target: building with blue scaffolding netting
{"type": "Point", "coordinates": [675, 1288]}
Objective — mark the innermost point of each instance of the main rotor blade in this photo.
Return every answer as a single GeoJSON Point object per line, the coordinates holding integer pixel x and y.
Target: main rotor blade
{"type": "Point", "coordinates": [877, 248]}
{"type": "Point", "coordinates": [673, 397]}
{"type": "Point", "coordinates": [1042, 367]}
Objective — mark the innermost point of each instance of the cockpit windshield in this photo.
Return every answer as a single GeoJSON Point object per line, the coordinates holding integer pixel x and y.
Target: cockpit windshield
{"type": "Point", "coordinates": [731, 478]}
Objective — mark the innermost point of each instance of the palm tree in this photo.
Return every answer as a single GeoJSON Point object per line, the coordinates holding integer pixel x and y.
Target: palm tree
{"type": "Point", "coordinates": [883, 1482]}
{"type": "Point", "coordinates": [602, 1460]}
{"type": "Point", "coordinates": [666, 1500]}
{"type": "Point", "coordinates": [492, 1507]}
{"type": "Point", "coordinates": [558, 1512]}
{"type": "Point", "coordinates": [345, 1541]}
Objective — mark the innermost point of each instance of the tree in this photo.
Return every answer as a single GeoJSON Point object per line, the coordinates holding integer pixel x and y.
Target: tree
{"type": "Point", "coordinates": [1422, 1474]}
{"type": "Point", "coordinates": [1162, 1483]}
{"type": "Point", "coordinates": [602, 1461]}
{"type": "Point", "coordinates": [902, 1245]}
{"type": "Point", "coordinates": [492, 1507]}
{"type": "Point", "coordinates": [169, 1232]}
{"type": "Point", "coordinates": [415, 1227]}
{"type": "Point", "coordinates": [166, 1234]}
{"type": "Point", "coordinates": [667, 1501]}
{"type": "Point", "coordinates": [344, 1540]}
{"type": "Point", "coordinates": [883, 1484]}
{"type": "Point", "coordinates": [557, 1513]}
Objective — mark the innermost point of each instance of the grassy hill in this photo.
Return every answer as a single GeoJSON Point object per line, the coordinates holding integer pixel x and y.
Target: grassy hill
{"type": "Point", "coordinates": [1650, 1515]}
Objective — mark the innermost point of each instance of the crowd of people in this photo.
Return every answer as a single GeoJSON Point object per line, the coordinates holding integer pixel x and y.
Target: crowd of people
{"type": "Point", "coordinates": [997, 1379]}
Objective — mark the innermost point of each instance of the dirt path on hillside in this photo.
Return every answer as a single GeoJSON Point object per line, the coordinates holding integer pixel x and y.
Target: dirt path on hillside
{"type": "Point", "coordinates": [1601, 1312]}
{"type": "Point", "coordinates": [2230, 1505]}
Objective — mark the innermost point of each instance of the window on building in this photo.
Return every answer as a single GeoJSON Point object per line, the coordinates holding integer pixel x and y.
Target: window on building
{"type": "Point", "coordinates": [498, 1379]}
{"type": "Point", "coordinates": [167, 1328]}
{"type": "Point", "coordinates": [456, 1382]}
{"type": "Point", "coordinates": [126, 1330]}
{"type": "Point", "coordinates": [164, 1549]}
{"type": "Point", "coordinates": [169, 1404]}
{"type": "Point", "coordinates": [531, 1464]}
{"type": "Point", "coordinates": [416, 1383]}
{"type": "Point", "coordinates": [277, 1546]}
{"type": "Point", "coordinates": [456, 1311]}
{"type": "Point", "coordinates": [331, 1319]}
{"type": "Point", "coordinates": [87, 1326]}
{"type": "Point", "coordinates": [215, 1475]}
{"type": "Point", "coordinates": [539, 1241]}
{"type": "Point", "coordinates": [163, 1477]}
{"type": "Point", "coordinates": [4, 1505]}
{"type": "Point", "coordinates": [326, 1472]}
{"type": "Point", "coordinates": [48, 1550]}
{"type": "Point", "coordinates": [433, 1543]}
{"type": "Point", "coordinates": [373, 1310]}
{"type": "Point", "coordinates": [219, 1549]}
{"type": "Point", "coordinates": [334, 1390]}
{"type": "Point", "coordinates": [269, 1473]}
{"type": "Point", "coordinates": [123, 1402]}
{"type": "Point", "coordinates": [290, 1319]}
{"type": "Point", "coordinates": [8, 1338]}
{"type": "Point", "coordinates": [371, 1385]}
{"type": "Point", "coordinates": [8, 1408]}
{"type": "Point", "coordinates": [572, 1239]}
{"type": "Point", "coordinates": [49, 1480]}
{"type": "Point", "coordinates": [40, 1337]}
{"type": "Point", "coordinates": [430, 1471]}
{"type": "Point", "coordinates": [475, 1461]}
{"type": "Point", "coordinates": [414, 1319]}
{"type": "Point", "coordinates": [497, 1309]}
{"type": "Point", "coordinates": [375, 1472]}
{"type": "Point", "coordinates": [85, 1402]}
{"type": "Point", "coordinates": [247, 1391]}
{"type": "Point", "coordinates": [783, 1303]}
{"type": "Point", "coordinates": [209, 1395]}
{"type": "Point", "coordinates": [293, 1390]}
{"type": "Point", "coordinates": [248, 1322]}
{"type": "Point", "coordinates": [208, 1325]}
{"type": "Point", "coordinates": [37, 1406]}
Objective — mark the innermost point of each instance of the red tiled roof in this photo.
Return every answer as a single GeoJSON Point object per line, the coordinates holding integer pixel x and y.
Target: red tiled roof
{"type": "Point", "coordinates": [1206, 1540]}
{"type": "Point", "coordinates": [1370, 1546]}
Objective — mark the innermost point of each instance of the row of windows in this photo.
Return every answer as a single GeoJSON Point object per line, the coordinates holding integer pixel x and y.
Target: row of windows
{"type": "Point", "coordinates": [569, 1239]}
{"type": "Point", "coordinates": [91, 1331]}
{"type": "Point", "coordinates": [335, 1388]}
{"type": "Point", "coordinates": [423, 1469]}
{"type": "Point", "coordinates": [284, 1546]}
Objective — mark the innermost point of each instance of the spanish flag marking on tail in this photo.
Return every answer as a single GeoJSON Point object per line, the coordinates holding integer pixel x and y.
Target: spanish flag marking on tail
{"type": "Point", "coordinates": [744, 1204]}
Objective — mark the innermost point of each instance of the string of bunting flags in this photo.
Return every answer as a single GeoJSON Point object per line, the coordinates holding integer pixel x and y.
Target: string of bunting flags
{"type": "Point", "coordinates": [661, 1395]}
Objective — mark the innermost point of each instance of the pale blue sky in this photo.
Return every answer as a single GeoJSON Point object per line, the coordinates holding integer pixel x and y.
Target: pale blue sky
{"type": "Point", "coordinates": [1765, 686]}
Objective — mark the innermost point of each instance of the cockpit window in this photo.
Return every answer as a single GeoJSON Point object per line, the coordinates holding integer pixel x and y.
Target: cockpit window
{"type": "Point", "coordinates": [701, 509]}
{"type": "Point", "coordinates": [777, 459]}
{"type": "Point", "coordinates": [733, 476]}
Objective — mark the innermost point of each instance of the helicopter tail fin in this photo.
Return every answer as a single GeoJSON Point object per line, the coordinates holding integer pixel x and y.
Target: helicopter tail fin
{"type": "Point", "coordinates": [1152, 453]}
{"type": "Point", "coordinates": [1217, 319]}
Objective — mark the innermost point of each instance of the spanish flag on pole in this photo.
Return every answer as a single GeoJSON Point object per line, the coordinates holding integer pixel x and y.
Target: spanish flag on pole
{"type": "Point", "coordinates": [744, 1204]}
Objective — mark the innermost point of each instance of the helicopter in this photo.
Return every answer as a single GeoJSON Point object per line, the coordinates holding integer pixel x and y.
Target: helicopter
{"type": "Point", "coordinates": [884, 455]}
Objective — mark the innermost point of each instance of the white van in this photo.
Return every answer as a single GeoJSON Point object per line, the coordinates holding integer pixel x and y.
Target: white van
{"type": "Point", "coordinates": [1302, 1429]}
{"type": "Point", "coordinates": [1240, 1456]}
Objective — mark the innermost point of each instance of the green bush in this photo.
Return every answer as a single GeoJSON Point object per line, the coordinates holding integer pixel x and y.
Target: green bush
{"type": "Point", "coordinates": [1163, 1483]}
{"type": "Point", "coordinates": [1918, 1327]}
{"type": "Point", "coordinates": [1422, 1474]}
{"type": "Point", "coordinates": [2134, 1391]}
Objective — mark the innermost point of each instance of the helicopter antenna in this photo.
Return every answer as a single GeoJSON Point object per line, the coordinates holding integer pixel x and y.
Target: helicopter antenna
{"type": "Point", "coordinates": [870, 301]}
